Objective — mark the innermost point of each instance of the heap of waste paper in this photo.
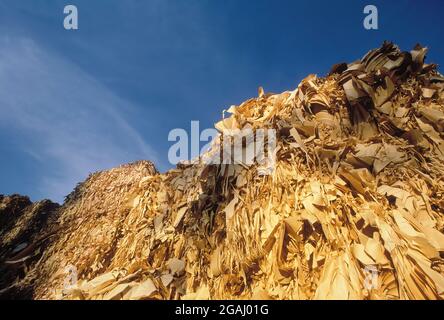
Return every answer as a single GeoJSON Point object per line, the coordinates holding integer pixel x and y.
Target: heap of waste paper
{"type": "Point", "coordinates": [353, 207]}
{"type": "Point", "coordinates": [21, 222]}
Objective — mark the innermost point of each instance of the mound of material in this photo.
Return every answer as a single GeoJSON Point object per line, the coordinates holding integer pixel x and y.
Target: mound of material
{"type": "Point", "coordinates": [21, 224]}
{"type": "Point", "coordinates": [353, 207]}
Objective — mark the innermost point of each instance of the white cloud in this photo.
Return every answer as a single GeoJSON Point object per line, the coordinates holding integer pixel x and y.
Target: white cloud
{"type": "Point", "coordinates": [65, 119]}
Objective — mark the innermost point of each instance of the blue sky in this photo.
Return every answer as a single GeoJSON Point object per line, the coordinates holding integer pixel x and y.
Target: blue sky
{"type": "Point", "coordinates": [73, 102]}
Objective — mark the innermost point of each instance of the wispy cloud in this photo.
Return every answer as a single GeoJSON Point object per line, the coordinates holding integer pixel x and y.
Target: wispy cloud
{"type": "Point", "coordinates": [68, 122]}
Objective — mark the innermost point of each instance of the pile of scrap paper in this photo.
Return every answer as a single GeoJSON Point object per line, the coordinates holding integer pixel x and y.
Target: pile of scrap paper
{"type": "Point", "coordinates": [353, 207]}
